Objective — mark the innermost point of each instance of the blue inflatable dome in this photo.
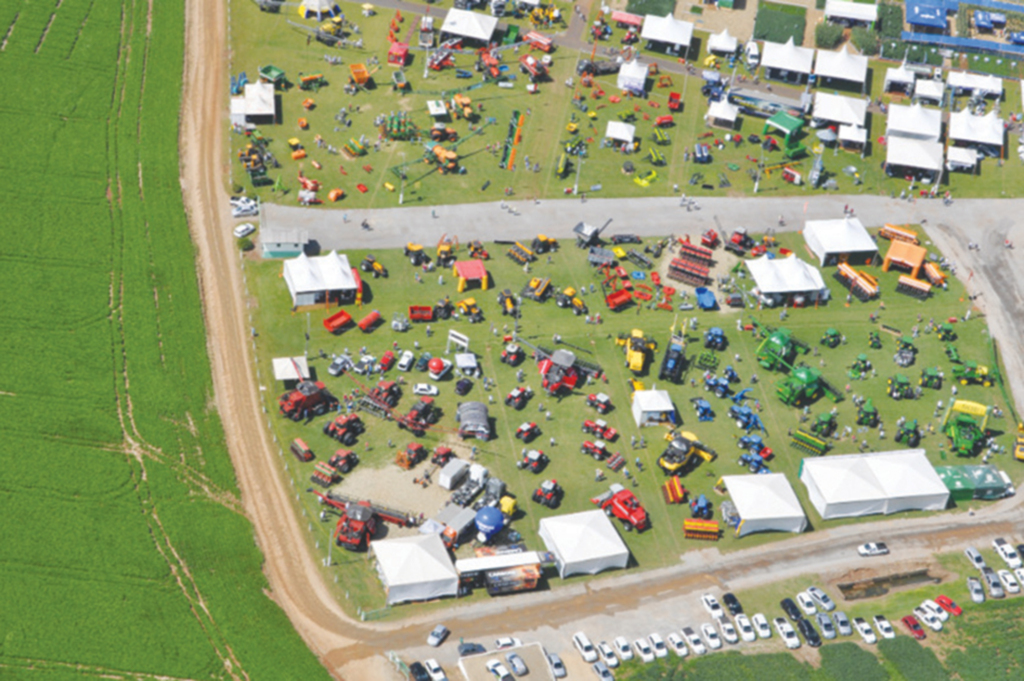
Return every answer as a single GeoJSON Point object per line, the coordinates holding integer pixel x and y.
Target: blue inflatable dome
{"type": "Point", "coordinates": [489, 522]}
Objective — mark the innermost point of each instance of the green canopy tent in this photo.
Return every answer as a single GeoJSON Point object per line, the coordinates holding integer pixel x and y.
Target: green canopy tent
{"type": "Point", "coordinates": [785, 123]}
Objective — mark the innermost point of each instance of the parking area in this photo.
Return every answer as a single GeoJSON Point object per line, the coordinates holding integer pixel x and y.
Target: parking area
{"type": "Point", "coordinates": [474, 668]}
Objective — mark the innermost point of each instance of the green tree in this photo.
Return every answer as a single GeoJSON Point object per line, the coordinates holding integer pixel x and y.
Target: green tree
{"type": "Point", "coordinates": [865, 40]}
{"type": "Point", "coordinates": [828, 36]}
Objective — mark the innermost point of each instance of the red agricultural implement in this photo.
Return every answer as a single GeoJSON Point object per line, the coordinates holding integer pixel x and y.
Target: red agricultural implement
{"type": "Point", "coordinates": [421, 313]}
{"type": "Point", "coordinates": [308, 398]}
{"type": "Point", "coordinates": [617, 300]}
{"type": "Point", "coordinates": [358, 521]}
{"type": "Point", "coordinates": [623, 504]}
{"type": "Point", "coordinates": [369, 322]}
{"type": "Point", "coordinates": [337, 322]}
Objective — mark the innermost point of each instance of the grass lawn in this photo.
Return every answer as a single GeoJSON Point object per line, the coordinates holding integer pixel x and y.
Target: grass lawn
{"type": "Point", "coordinates": [778, 23]}
{"type": "Point", "coordinates": [281, 332]}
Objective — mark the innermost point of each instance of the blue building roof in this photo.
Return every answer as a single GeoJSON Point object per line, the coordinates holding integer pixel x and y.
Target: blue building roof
{"type": "Point", "coordinates": [924, 14]}
{"type": "Point", "coordinates": [982, 20]}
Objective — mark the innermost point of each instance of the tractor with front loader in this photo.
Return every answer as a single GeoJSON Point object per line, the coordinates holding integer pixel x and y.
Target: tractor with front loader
{"type": "Point", "coordinates": [638, 348]}
{"type": "Point", "coordinates": [621, 503]}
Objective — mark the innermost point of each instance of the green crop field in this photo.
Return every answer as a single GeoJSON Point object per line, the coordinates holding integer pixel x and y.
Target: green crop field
{"type": "Point", "coordinates": [126, 552]}
{"type": "Point", "coordinates": [282, 333]}
{"type": "Point", "coordinates": [778, 23]}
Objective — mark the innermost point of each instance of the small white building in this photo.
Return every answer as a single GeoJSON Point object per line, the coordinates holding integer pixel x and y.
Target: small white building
{"type": "Point", "coordinates": [257, 105]}
{"type": "Point", "coordinates": [583, 543]}
{"type": "Point", "coordinates": [315, 280]}
{"type": "Point", "coordinates": [415, 568]}
{"type": "Point", "coordinates": [786, 281]}
{"type": "Point", "coordinates": [765, 503]}
{"type": "Point", "coordinates": [276, 242]}
{"type": "Point", "coordinates": [632, 77]}
{"type": "Point", "coordinates": [653, 408]}
{"type": "Point", "coordinates": [473, 26]}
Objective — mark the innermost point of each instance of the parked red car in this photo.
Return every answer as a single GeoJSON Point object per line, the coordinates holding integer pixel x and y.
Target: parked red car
{"type": "Point", "coordinates": [949, 605]}
{"type": "Point", "coordinates": [914, 627]}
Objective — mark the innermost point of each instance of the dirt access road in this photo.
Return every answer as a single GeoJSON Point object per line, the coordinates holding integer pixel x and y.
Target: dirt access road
{"type": "Point", "coordinates": [351, 649]}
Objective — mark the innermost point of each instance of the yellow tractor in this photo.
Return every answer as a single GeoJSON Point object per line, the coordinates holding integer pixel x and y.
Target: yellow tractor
{"type": "Point", "coordinates": [544, 244]}
{"type": "Point", "coordinates": [415, 253]}
{"type": "Point", "coordinates": [568, 298]}
{"type": "Point", "coordinates": [470, 310]}
{"type": "Point", "coordinates": [537, 289]}
{"type": "Point", "coordinates": [371, 264]}
{"type": "Point", "coordinates": [639, 349]}
{"type": "Point", "coordinates": [446, 246]}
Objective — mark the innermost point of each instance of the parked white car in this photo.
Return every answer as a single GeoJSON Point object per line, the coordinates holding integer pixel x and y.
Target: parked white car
{"type": "Point", "coordinates": [883, 626]}
{"type": "Point", "coordinates": [714, 641]}
{"type": "Point", "coordinates": [425, 389]}
{"type": "Point", "coordinates": [406, 361]}
{"type": "Point", "coordinates": [1009, 581]}
{"type": "Point", "coordinates": [728, 631]}
{"type": "Point", "coordinates": [786, 633]}
{"type": "Point", "coordinates": [434, 670]}
{"type": "Point", "coordinates": [821, 599]}
{"type": "Point", "coordinates": [803, 599]}
{"type": "Point", "coordinates": [1007, 553]}
{"type": "Point", "coordinates": [712, 605]}
{"type": "Point", "coordinates": [243, 230]}
{"type": "Point", "coordinates": [695, 641]}
{"type": "Point", "coordinates": [928, 619]}
{"type": "Point", "coordinates": [507, 642]}
{"type": "Point", "coordinates": [935, 609]}
{"type": "Point", "coordinates": [676, 645]}
{"type": "Point", "coordinates": [658, 644]}
{"type": "Point", "coordinates": [865, 630]}
{"type": "Point", "coordinates": [584, 646]}
{"type": "Point", "coordinates": [621, 646]}
{"type": "Point", "coordinates": [976, 590]}
{"type": "Point", "coordinates": [607, 655]}
{"type": "Point", "coordinates": [872, 549]}
{"type": "Point", "coordinates": [760, 623]}
{"type": "Point", "coordinates": [245, 208]}
{"type": "Point", "coordinates": [745, 628]}
{"type": "Point", "coordinates": [643, 650]}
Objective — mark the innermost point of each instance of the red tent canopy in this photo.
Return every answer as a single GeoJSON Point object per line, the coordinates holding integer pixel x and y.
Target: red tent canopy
{"type": "Point", "coordinates": [398, 53]}
{"type": "Point", "coordinates": [471, 270]}
{"type": "Point", "coordinates": [627, 18]}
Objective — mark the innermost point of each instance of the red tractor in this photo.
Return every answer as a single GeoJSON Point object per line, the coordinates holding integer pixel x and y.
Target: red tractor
{"type": "Point", "coordinates": [600, 429]}
{"type": "Point", "coordinates": [344, 460]}
{"type": "Point", "coordinates": [442, 455]}
{"type": "Point", "coordinates": [549, 494]}
{"type": "Point", "coordinates": [709, 239]}
{"type": "Point", "coordinates": [527, 431]}
{"type": "Point", "coordinates": [345, 429]}
{"type": "Point", "coordinates": [512, 354]}
{"type": "Point", "coordinates": [601, 402]}
{"type": "Point", "coordinates": [358, 521]}
{"type": "Point", "coordinates": [422, 415]}
{"type": "Point", "coordinates": [533, 460]}
{"type": "Point", "coordinates": [308, 398]}
{"type": "Point", "coordinates": [740, 242]}
{"type": "Point", "coordinates": [413, 453]}
{"type": "Point", "coordinates": [518, 398]}
{"type": "Point", "coordinates": [623, 504]}
{"type": "Point", "coordinates": [386, 392]}
{"type": "Point", "coordinates": [598, 450]}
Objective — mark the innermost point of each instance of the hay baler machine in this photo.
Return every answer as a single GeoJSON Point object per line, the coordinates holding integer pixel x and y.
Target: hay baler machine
{"type": "Point", "coordinates": [358, 519]}
{"type": "Point", "coordinates": [561, 370]}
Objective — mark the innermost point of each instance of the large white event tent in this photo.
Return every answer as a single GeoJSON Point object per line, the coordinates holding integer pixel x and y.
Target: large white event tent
{"type": "Point", "coordinates": [472, 25]}
{"type": "Point", "coordinates": [312, 280]}
{"type": "Point", "coordinates": [844, 239]}
{"type": "Point", "coordinates": [975, 83]}
{"type": "Point", "coordinates": [621, 132]}
{"type": "Point", "coordinates": [851, 11]}
{"type": "Point", "coordinates": [765, 503]}
{"type": "Point", "coordinates": [632, 76]}
{"type": "Point", "coordinates": [778, 279]}
{"type": "Point", "coordinates": [914, 121]}
{"type": "Point", "coordinates": [838, 109]}
{"type": "Point", "coordinates": [723, 43]}
{"type": "Point", "coordinates": [852, 485]}
{"type": "Point", "coordinates": [787, 57]}
{"type": "Point", "coordinates": [415, 568]}
{"type": "Point", "coordinates": [667, 30]}
{"type": "Point", "coordinates": [841, 65]}
{"type": "Point", "coordinates": [583, 543]}
{"type": "Point", "coordinates": [914, 153]}
{"type": "Point", "coordinates": [966, 127]}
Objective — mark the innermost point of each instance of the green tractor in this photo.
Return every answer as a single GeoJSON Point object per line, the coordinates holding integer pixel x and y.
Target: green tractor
{"type": "Point", "coordinates": [960, 425]}
{"type": "Point", "coordinates": [831, 338]}
{"type": "Point", "coordinates": [860, 368]}
{"type": "Point", "coordinates": [909, 434]}
{"type": "Point", "coordinates": [952, 353]}
{"type": "Point", "coordinates": [931, 377]}
{"type": "Point", "coordinates": [825, 425]}
{"type": "Point", "coordinates": [905, 351]}
{"type": "Point", "coordinates": [778, 349]}
{"type": "Point", "coordinates": [874, 340]}
{"type": "Point", "coordinates": [900, 388]}
{"type": "Point", "coordinates": [946, 332]}
{"type": "Point", "coordinates": [804, 385]}
{"type": "Point", "coordinates": [867, 414]}
{"type": "Point", "coordinates": [972, 372]}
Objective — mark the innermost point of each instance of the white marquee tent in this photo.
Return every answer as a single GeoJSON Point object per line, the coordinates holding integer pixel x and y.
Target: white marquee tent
{"type": "Point", "coordinates": [723, 43]}
{"type": "Point", "coordinates": [256, 104]}
{"type": "Point", "coordinates": [583, 543]}
{"type": "Point", "coordinates": [966, 127]}
{"type": "Point", "coordinates": [853, 11]}
{"type": "Point", "coordinates": [653, 407]}
{"type": "Point", "coordinates": [958, 158]}
{"type": "Point", "coordinates": [976, 83]}
{"type": "Point", "coordinates": [310, 280]}
{"type": "Point", "coordinates": [852, 134]}
{"type": "Point", "coordinates": [901, 76]}
{"type": "Point", "coordinates": [285, 368]}
{"type": "Point", "coordinates": [668, 30]}
{"type": "Point", "coordinates": [781, 277]}
{"type": "Point", "coordinates": [854, 485]}
{"type": "Point", "coordinates": [914, 153]}
{"type": "Point", "coordinates": [415, 568]}
{"type": "Point", "coordinates": [623, 132]}
{"type": "Point", "coordinates": [837, 109]}
{"type": "Point", "coordinates": [930, 89]}
{"type": "Point", "coordinates": [472, 25]}
{"type": "Point", "coordinates": [914, 121]}
{"type": "Point", "coordinates": [831, 240]}
{"type": "Point", "coordinates": [765, 503]}
{"type": "Point", "coordinates": [841, 65]}
{"type": "Point", "coordinates": [787, 57]}
{"type": "Point", "coordinates": [632, 76]}
{"type": "Point", "coordinates": [722, 111]}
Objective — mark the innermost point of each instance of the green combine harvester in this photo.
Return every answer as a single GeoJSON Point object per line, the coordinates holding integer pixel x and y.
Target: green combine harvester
{"type": "Point", "coordinates": [804, 385]}
{"type": "Point", "coordinates": [961, 426]}
{"type": "Point", "coordinates": [779, 348]}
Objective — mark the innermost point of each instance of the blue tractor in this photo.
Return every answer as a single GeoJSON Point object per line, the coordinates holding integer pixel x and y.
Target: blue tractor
{"type": "Point", "coordinates": [704, 410]}
{"type": "Point", "coordinates": [746, 419]}
{"type": "Point", "coordinates": [714, 339]}
{"type": "Point", "coordinates": [755, 445]}
{"type": "Point", "coordinates": [701, 508]}
{"type": "Point", "coordinates": [731, 375]}
{"type": "Point", "coordinates": [753, 462]}
{"type": "Point", "coordinates": [716, 385]}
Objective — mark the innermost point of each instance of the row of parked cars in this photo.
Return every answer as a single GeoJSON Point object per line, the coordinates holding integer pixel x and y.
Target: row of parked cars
{"type": "Point", "coordinates": [1000, 582]}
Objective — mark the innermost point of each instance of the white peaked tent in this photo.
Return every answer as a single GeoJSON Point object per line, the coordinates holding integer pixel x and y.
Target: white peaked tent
{"type": "Point", "coordinates": [470, 25]}
{"type": "Point", "coordinates": [415, 568]}
{"type": "Point", "coordinates": [852, 485]}
{"type": "Point", "coordinates": [318, 9]}
{"type": "Point", "coordinates": [842, 110]}
{"type": "Point", "coordinates": [723, 112]}
{"type": "Point", "coordinates": [901, 76]}
{"type": "Point", "coordinates": [966, 127]}
{"type": "Point", "coordinates": [914, 153]}
{"type": "Point", "coordinates": [976, 83]}
{"type": "Point", "coordinates": [841, 65]}
{"type": "Point", "coordinates": [914, 121]}
{"type": "Point", "coordinates": [311, 279]}
{"type": "Point", "coordinates": [583, 543]}
{"type": "Point", "coordinates": [781, 277]}
{"type": "Point", "coordinates": [831, 240]}
{"type": "Point", "coordinates": [930, 89]}
{"type": "Point", "coordinates": [787, 57]}
{"type": "Point", "coordinates": [632, 76]}
{"type": "Point", "coordinates": [622, 132]}
{"type": "Point", "coordinates": [668, 30]}
{"type": "Point", "coordinates": [853, 11]}
{"type": "Point", "coordinates": [765, 503]}
{"type": "Point", "coordinates": [723, 43]}
{"type": "Point", "coordinates": [652, 407]}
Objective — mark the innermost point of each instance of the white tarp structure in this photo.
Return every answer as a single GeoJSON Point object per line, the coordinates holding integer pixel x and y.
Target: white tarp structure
{"type": "Point", "coordinates": [966, 127]}
{"type": "Point", "coordinates": [311, 279]}
{"type": "Point", "coordinates": [318, 9]}
{"type": "Point", "coordinates": [851, 134]}
{"type": "Point", "coordinates": [472, 25]}
{"type": "Point", "coordinates": [415, 568]}
{"type": "Point", "coordinates": [632, 76]}
{"type": "Point", "coordinates": [623, 132]}
{"type": "Point", "coordinates": [723, 42]}
{"type": "Point", "coordinates": [284, 368]}
{"type": "Point", "coordinates": [852, 485]}
{"type": "Point", "coordinates": [787, 57]}
{"type": "Point", "coordinates": [837, 109]}
{"type": "Point", "coordinates": [914, 121]}
{"type": "Point", "coordinates": [853, 11]}
{"type": "Point", "coordinates": [668, 30]}
{"type": "Point", "coordinates": [961, 157]}
{"type": "Point", "coordinates": [841, 65]}
{"type": "Point", "coordinates": [912, 153]}
{"type": "Point", "coordinates": [583, 543]}
{"type": "Point", "coordinates": [652, 407]}
{"type": "Point", "coordinates": [832, 239]}
{"type": "Point", "coordinates": [930, 89]}
{"type": "Point", "coordinates": [976, 83]}
{"type": "Point", "coordinates": [901, 76]}
{"type": "Point", "coordinates": [256, 102]}
{"type": "Point", "coordinates": [785, 276]}
{"type": "Point", "coordinates": [723, 112]}
{"type": "Point", "coordinates": [765, 503]}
